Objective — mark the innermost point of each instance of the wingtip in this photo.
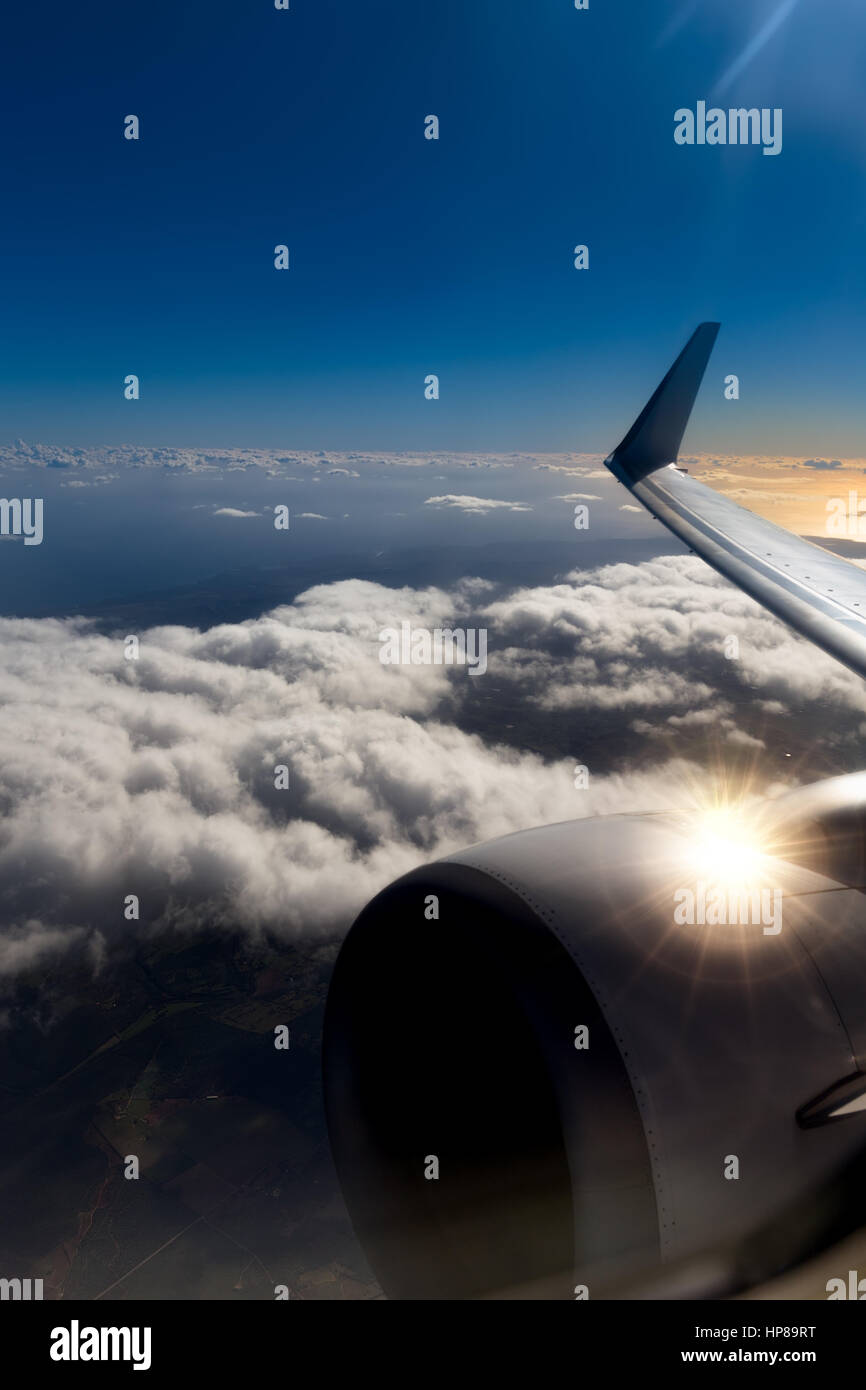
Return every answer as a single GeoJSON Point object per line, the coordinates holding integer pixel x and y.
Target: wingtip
{"type": "Point", "coordinates": [655, 437]}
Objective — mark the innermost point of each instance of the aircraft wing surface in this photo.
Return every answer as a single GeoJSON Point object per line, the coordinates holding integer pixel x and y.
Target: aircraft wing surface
{"type": "Point", "coordinates": [820, 595]}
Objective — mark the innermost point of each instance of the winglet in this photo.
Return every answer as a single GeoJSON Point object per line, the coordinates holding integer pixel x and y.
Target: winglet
{"type": "Point", "coordinates": [655, 437]}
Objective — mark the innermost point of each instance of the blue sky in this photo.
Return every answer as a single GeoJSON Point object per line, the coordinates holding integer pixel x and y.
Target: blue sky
{"type": "Point", "coordinates": [411, 256]}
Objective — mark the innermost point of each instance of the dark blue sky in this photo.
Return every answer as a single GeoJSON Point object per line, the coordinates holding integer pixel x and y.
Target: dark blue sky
{"type": "Point", "coordinates": [410, 256]}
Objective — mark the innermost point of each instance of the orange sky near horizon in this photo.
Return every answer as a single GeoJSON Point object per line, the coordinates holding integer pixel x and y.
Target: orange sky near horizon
{"type": "Point", "coordinates": [828, 502]}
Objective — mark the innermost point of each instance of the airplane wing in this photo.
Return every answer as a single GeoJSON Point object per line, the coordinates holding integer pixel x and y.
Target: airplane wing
{"type": "Point", "coordinates": [820, 595]}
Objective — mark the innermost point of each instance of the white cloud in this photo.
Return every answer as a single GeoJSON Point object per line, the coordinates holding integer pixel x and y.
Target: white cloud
{"type": "Point", "coordinates": [156, 777]}
{"type": "Point", "coordinates": [479, 505]}
{"type": "Point", "coordinates": [22, 947]}
{"type": "Point", "coordinates": [634, 636]}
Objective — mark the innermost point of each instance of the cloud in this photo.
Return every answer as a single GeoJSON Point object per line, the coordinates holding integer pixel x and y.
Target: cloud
{"type": "Point", "coordinates": [652, 637]}
{"type": "Point", "coordinates": [627, 507]}
{"type": "Point", "coordinates": [751, 494]}
{"type": "Point", "coordinates": [271, 462]}
{"type": "Point", "coordinates": [156, 777]}
{"type": "Point", "coordinates": [232, 511]}
{"type": "Point", "coordinates": [573, 465]}
{"type": "Point", "coordinates": [23, 947]}
{"type": "Point", "coordinates": [822, 463]}
{"type": "Point", "coordinates": [313, 516]}
{"type": "Point", "coordinates": [480, 505]}
{"type": "Point", "coordinates": [577, 497]}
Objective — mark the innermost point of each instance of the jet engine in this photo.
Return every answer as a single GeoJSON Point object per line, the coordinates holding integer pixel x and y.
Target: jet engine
{"type": "Point", "coordinates": [615, 1057]}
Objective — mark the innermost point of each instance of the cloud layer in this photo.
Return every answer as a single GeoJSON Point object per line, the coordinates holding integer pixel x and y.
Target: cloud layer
{"type": "Point", "coordinates": [156, 776]}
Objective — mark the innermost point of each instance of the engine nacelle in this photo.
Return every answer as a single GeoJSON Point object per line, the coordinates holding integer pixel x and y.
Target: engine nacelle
{"type": "Point", "coordinates": [563, 1059]}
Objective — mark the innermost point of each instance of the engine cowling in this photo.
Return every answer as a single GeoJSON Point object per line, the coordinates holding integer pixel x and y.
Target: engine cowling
{"type": "Point", "coordinates": [702, 1133]}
